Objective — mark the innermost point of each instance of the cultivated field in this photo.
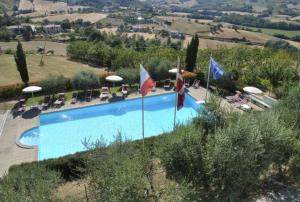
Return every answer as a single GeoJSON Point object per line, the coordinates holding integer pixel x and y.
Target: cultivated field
{"type": "Point", "coordinates": [25, 5]}
{"type": "Point", "coordinates": [109, 30]}
{"type": "Point", "coordinates": [52, 64]}
{"type": "Point", "coordinates": [46, 6]}
{"type": "Point", "coordinates": [114, 31]}
{"type": "Point", "coordinates": [92, 17]}
{"type": "Point", "coordinates": [59, 48]}
{"type": "Point", "coordinates": [252, 36]}
{"type": "Point", "coordinates": [211, 44]}
{"type": "Point", "coordinates": [184, 26]}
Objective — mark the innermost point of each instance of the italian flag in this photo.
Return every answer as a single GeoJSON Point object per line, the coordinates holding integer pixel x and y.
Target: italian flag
{"type": "Point", "coordinates": [146, 82]}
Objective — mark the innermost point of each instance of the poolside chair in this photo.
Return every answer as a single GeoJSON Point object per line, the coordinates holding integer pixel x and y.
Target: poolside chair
{"type": "Point", "coordinates": [167, 84]}
{"type": "Point", "coordinates": [88, 96]}
{"type": "Point", "coordinates": [21, 107]}
{"type": "Point", "coordinates": [241, 102]}
{"type": "Point", "coordinates": [196, 83]}
{"type": "Point", "coordinates": [125, 90]}
{"type": "Point", "coordinates": [245, 107]}
{"type": "Point", "coordinates": [234, 98]}
{"type": "Point", "coordinates": [60, 100]}
{"type": "Point", "coordinates": [154, 87]}
{"type": "Point", "coordinates": [74, 97]}
{"type": "Point", "coordinates": [104, 93]}
{"type": "Point", "coordinates": [46, 102]}
{"type": "Point", "coordinates": [187, 83]}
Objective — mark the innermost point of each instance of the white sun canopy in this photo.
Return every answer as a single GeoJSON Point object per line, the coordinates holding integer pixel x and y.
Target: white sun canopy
{"type": "Point", "coordinates": [31, 89]}
{"type": "Point", "coordinates": [114, 78]}
{"type": "Point", "coordinates": [174, 70]}
{"type": "Point", "coordinates": [253, 90]}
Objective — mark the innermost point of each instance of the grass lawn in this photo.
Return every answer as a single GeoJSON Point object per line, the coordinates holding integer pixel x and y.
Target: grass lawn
{"type": "Point", "coordinates": [52, 65]}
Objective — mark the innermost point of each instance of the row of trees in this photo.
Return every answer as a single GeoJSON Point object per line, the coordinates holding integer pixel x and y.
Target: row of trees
{"type": "Point", "coordinates": [101, 54]}
{"type": "Point", "coordinates": [254, 21]}
{"type": "Point", "coordinates": [272, 68]}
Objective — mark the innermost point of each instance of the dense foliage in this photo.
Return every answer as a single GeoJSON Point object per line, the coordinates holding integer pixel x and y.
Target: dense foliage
{"type": "Point", "coordinates": [271, 70]}
{"type": "Point", "coordinates": [53, 83]}
{"type": "Point", "coordinates": [35, 183]}
{"type": "Point", "coordinates": [231, 162]}
{"type": "Point", "coordinates": [101, 54]}
{"type": "Point", "coordinates": [85, 80]}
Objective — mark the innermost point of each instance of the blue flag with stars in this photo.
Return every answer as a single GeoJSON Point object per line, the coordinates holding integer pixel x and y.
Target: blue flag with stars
{"type": "Point", "coordinates": [216, 69]}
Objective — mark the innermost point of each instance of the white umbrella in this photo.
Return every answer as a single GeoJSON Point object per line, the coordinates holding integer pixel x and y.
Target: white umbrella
{"type": "Point", "coordinates": [31, 89]}
{"type": "Point", "coordinates": [252, 90]}
{"type": "Point", "coordinates": [114, 78]}
{"type": "Point", "coordinates": [174, 71]}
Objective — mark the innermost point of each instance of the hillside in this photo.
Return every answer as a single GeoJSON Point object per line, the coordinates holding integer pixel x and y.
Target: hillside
{"type": "Point", "coordinates": [6, 5]}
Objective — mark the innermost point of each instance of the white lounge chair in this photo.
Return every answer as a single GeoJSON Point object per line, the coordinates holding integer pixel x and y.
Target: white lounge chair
{"type": "Point", "coordinates": [104, 93]}
{"type": "Point", "coordinates": [125, 90]}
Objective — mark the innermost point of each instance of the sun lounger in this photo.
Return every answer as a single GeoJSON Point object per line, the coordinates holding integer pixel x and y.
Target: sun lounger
{"type": "Point", "coordinates": [104, 93]}
{"type": "Point", "coordinates": [167, 84]}
{"type": "Point", "coordinates": [74, 98]}
{"type": "Point", "coordinates": [187, 83]}
{"type": "Point", "coordinates": [46, 102]}
{"type": "Point", "coordinates": [234, 98]}
{"type": "Point", "coordinates": [196, 84]}
{"type": "Point", "coordinates": [125, 90]}
{"type": "Point", "coordinates": [245, 107]}
{"type": "Point", "coordinates": [21, 107]}
{"type": "Point", "coordinates": [88, 96]}
{"type": "Point", "coordinates": [154, 87]}
{"type": "Point", "coordinates": [241, 102]}
{"type": "Point", "coordinates": [61, 100]}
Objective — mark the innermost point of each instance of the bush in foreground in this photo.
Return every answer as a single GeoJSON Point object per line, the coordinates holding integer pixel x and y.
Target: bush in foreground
{"type": "Point", "coordinates": [35, 183]}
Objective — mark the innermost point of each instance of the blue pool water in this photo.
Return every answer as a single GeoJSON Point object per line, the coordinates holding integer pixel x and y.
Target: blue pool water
{"type": "Point", "coordinates": [62, 133]}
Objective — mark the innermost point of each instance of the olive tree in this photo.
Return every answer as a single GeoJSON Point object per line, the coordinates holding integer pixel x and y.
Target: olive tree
{"type": "Point", "coordinates": [130, 75]}
{"type": "Point", "coordinates": [85, 80]}
{"type": "Point", "coordinates": [53, 83]}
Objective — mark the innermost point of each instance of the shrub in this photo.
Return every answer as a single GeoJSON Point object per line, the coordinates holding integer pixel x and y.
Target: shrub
{"type": "Point", "coordinates": [35, 183]}
{"type": "Point", "coordinates": [159, 69]}
{"type": "Point", "coordinates": [130, 75]}
{"type": "Point", "coordinates": [125, 175]}
{"type": "Point", "coordinates": [53, 83]}
{"type": "Point", "coordinates": [85, 80]}
{"type": "Point", "coordinates": [9, 51]}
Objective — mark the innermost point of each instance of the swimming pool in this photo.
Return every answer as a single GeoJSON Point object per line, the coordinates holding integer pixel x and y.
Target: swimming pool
{"type": "Point", "coordinates": [61, 133]}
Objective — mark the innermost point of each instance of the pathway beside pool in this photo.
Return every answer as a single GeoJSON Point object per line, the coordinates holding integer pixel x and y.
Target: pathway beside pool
{"type": "Point", "coordinates": [12, 154]}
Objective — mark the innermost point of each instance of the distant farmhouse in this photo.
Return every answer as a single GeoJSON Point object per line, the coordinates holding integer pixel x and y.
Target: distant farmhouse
{"type": "Point", "coordinates": [17, 29]}
{"type": "Point", "coordinates": [52, 29]}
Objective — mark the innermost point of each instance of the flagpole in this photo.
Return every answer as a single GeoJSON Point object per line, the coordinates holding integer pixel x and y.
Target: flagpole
{"type": "Point", "coordinates": [176, 94]}
{"type": "Point", "coordinates": [208, 74]}
{"type": "Point", "coordinates": [143, 130]}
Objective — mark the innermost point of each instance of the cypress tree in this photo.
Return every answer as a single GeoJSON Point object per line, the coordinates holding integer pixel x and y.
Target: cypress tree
{"type": "Point", "coordinates": [20, 60]}
{"type": "Point", "coordinates": [191, 53]}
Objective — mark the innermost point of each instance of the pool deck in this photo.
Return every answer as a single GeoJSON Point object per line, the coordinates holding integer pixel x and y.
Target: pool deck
{"type": "Point", "coordinates": [12, 154]}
